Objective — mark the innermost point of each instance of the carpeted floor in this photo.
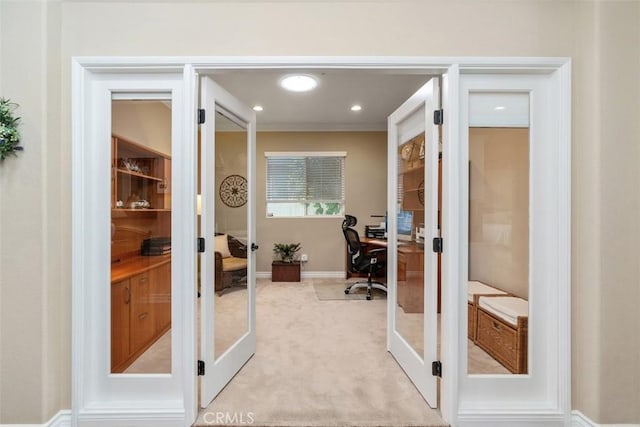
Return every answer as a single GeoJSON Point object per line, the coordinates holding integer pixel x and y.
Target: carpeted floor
{"type": "Point", "coordinates": [330, 289]}
{"type": "Point", "coordinates": [320, 363]}
{"type": "Point", "coordinates": [321, 360]}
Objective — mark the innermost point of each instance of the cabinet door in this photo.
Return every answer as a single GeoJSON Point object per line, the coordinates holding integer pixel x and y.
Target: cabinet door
{"type": "Point", "coordinates": [120, 304]}
{"type": "Point", "coordinates": [161, 297]}
{"type": "Point", "coordinates": [142, 327]}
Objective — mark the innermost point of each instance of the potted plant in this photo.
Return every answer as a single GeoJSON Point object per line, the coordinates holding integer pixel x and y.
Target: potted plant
{"type": "Point", "coordinates": [9, 134]}
{"type": "Point", "coordinates": [286, 251]}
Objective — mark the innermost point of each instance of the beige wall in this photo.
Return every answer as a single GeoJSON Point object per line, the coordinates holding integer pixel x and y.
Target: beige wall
{"type": "Point", "coordinates": [499, 208]}
{"type": "Point", "coordinates": [321, 238]}
{"type": "Point", "coordinates": [231, 159]}
{"type": "Point", "coordinates": [144, 122]}
{"type": "Point", "coordinates": [39, 38]}
{"type": "Point", "coordinates": [365, 194]}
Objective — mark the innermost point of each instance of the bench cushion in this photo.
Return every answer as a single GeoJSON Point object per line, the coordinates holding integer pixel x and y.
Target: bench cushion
{"type": "Point", "coordinates": [474, 288]}
{"type": "Point", "coordinates": [505, 308]}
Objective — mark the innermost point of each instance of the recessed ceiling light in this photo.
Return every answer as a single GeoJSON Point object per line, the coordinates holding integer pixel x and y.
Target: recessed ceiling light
{"type": "Point", "coordinates": [257, 108]}
{"type": "Point", "coordinates": [356, 107]}
{"type": "Point", "coordinates": [500, 107]}
{"type": "Point", "coordinates": [299, 82]}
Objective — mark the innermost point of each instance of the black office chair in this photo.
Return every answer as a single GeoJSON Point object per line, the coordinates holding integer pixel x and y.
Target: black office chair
{"type": "Point", "coordinates": [360, 262]}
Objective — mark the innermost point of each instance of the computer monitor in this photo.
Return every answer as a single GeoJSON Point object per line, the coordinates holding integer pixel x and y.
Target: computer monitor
{"type": "Point", "coordinates": [405, 225]}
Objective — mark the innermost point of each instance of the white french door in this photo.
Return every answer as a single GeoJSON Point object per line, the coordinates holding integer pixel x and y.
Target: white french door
{"type": "Point", "coordinates": [228, 333]}
{"type": "Point", "coordinates": [412, 226]}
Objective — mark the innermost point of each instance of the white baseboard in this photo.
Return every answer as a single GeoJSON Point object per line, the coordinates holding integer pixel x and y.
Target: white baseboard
{"type": "Point", "coordinates": [61, 419]}
{"type": "Point", "coordinates": [511, 420]}
{"type": "Point", "coordinates": [578, 419]}
{"type": "Point", "coordinates": [307, 275]}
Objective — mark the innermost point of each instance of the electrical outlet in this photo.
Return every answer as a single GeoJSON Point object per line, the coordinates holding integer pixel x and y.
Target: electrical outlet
{"type": "Point", "coordinates": [304, 258]}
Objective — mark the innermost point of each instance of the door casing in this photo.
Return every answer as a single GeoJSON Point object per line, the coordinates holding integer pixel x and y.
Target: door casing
{"type": "Point", "coordinates": [87, 70]}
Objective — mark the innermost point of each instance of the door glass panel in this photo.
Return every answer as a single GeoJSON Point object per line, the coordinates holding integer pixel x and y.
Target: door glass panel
{"type": "Point", "coordinates": [498, 283]}
{"type": "Point", "coordinates": [409, 310]}
{"type": "Point", "coordinates": [231, 305]}
{"type": "Point", "coordinates": [141, 236]}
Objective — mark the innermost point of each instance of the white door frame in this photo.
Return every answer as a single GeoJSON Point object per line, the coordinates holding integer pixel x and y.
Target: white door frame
{"type": "Point", "coordinates": [85, 70]}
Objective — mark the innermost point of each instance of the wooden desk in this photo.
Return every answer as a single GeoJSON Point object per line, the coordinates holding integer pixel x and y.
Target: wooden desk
{"type": "Point", "coordinates": [411, 277]}
{"type": "Point", "coordinates": [410, 273]}
{"type": "Point", "coordinates": [410, 287]}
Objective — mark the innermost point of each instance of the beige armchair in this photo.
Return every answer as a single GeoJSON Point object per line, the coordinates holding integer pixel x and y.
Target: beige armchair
{"type": "Point", "coordinates": [230, 261]}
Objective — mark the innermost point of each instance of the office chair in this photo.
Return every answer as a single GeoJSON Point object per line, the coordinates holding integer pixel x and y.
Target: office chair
{"type": "Point", "coordinates": [360, 262]}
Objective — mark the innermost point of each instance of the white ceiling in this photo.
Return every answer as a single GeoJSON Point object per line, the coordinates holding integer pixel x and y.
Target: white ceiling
{"type": "Point", "coordinates": [379, 92]}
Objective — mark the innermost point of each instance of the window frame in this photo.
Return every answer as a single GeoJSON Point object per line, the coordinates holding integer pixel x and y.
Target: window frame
{"type": "Point", "coordinates": [305, 155]}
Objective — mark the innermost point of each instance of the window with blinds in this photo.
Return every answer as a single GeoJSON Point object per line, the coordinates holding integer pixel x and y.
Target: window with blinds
{"type": "Point", "coordinates": [305, 184]}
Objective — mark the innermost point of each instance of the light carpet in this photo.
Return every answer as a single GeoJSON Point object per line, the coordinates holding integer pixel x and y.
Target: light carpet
{"type": "Point", "coordinates": [319, 363]}
{"type": "Point", "coordinates": [330, 290]}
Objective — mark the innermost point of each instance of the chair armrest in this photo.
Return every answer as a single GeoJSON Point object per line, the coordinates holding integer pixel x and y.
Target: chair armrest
{"type": "Point", "coordinates": [376, 251]}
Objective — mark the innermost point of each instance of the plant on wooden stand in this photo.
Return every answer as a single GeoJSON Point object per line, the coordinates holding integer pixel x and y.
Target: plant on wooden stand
{"type": "Point", "coordinates": [286, 251]}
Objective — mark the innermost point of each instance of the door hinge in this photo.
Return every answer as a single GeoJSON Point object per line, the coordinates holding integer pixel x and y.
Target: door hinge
{"type": "Point", "coordinates": [200, 368]}
{"type": "Point", "coordinates": [437, 245]}
{"type": "Point", "coordinates": [200, 244]}
{"type": "Point", "coordinates": [201, 116]}
{"type": "Point", "coordinates": [436, 369]}
{"type": "Point", "coordinates": [438, 117]}
{"type": "Point", "coordinates": [254, 247]}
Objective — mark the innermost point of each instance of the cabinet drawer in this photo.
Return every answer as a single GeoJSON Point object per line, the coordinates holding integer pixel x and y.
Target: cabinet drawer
{"type": "Point", "coordinates": [142, 322]}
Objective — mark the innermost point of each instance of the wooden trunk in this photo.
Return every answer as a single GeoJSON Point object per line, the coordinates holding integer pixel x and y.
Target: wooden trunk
{"type": "Point", "coordinates": [285, 271]}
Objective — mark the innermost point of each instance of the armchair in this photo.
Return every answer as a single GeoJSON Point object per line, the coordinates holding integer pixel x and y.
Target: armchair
{"type": "Point", "coordinates": [230, 261]}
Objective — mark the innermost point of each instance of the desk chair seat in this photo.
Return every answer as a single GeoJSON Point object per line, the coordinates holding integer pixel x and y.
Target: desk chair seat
{"type": "Point", "coordinates": [360, 261]}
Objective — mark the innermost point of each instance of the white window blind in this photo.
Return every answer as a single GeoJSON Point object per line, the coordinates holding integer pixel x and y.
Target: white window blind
{"type": "Point", "coordinates": [305, 184]}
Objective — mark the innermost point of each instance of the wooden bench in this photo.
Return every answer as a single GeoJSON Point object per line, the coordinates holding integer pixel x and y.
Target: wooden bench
{"type": "Point", "coordinates": [502, 330]}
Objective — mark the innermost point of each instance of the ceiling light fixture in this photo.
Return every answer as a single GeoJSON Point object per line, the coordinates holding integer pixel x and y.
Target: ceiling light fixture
{"type": "Point", "coordinates": [500, 107]}
{"type": "Point", "coordinates": [257, 108]}
{"type": "Point", "coordinates": [356, 107]}
{"type": "Point", "coordinates": [299, 82]}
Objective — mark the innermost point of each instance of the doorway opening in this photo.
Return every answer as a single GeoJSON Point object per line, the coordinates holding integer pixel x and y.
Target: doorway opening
{"type": "Point", "coordinates": [326, 123]}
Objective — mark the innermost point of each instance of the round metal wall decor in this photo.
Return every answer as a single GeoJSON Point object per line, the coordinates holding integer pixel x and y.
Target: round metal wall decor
{"type": "Point", "coordinates": [421, 192]}
{"type": "Point", "coordinates": [233, 191]}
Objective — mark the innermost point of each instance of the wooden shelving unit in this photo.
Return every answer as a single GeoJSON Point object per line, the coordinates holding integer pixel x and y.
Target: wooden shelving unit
{"type": "Point", "coordinates": [140, 285]}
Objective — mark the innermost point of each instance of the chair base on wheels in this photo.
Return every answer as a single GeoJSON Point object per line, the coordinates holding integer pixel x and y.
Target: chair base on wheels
{"type": "Point", "coordinates": [368, 284]}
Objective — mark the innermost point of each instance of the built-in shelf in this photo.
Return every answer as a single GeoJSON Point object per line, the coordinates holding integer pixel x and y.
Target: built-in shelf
{"type": "Point", "coordinates": [139, 175]}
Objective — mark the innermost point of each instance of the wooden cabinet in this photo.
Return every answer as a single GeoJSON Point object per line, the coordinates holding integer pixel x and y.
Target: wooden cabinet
{"type": "Point", "coordinates": [142, 327]}
{"type": "Point", "coordinates": [140, 285]}
{"type": "Point", "coordinates": [161, 298]}
{"type": "Point", "coordinates": [141, 177]}
{"type": "Point", "coordinates": [120, 309]}
{"type": "Point", "coordinates": [140, 197]}
{"type": "Point", "coordinates": [285, 271]}
{"type": "Point", "coordinates": [140, 307]}
{"type": "Point", "coordinates": [411, 173]}
{"type": "Point", "coordinates": [411, 278]}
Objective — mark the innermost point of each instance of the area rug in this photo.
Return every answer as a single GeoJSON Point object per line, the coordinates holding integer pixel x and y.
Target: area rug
{"type": "Point", "coordinates": [332, 291]}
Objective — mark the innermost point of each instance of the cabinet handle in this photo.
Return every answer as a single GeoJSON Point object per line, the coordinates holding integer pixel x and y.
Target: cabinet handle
{"type": "Point", "coordinates": [127, 298]}
{"type": "Point", "coordinates": [496, 326]}
{"type": "Point", "coordinates": [143, 316]}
